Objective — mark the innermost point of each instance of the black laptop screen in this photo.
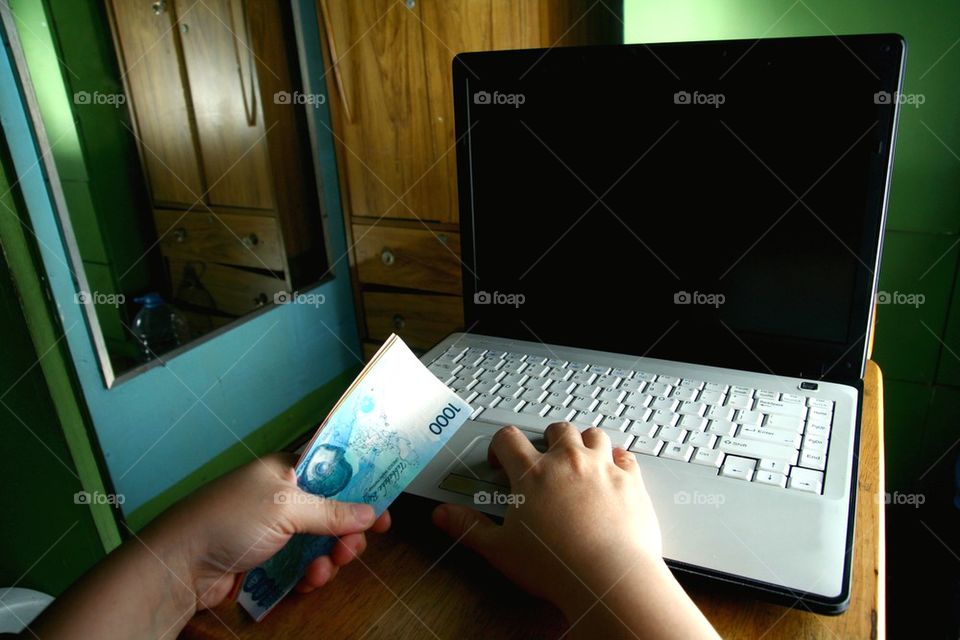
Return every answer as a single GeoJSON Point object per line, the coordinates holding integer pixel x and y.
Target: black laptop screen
{"type": "Point", "coordinates": [717, 203]}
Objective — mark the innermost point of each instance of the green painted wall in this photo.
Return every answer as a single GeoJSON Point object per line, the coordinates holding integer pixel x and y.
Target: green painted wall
{"type": "Point", "coordinates": [48, 539]}
{"type": "Point", "coordinates": [917, 347]}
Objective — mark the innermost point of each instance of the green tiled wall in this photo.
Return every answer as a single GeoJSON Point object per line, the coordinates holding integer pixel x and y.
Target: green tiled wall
{"type": "Point", "coordinates": [918, 348]}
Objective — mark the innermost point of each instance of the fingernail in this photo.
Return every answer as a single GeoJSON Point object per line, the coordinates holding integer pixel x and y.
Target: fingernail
{"type": "Point", "coordinates": [363, 513]}
{"type": "Point", "coordinates": [440, 516]}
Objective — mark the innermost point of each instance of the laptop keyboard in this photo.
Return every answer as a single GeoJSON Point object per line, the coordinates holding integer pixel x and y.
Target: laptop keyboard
{"type": "Point", "coordinates": [754, 435]}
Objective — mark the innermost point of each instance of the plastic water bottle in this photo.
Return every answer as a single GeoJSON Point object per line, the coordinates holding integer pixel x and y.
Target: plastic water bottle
{"type": "Point", "coordinates": [158, 326]}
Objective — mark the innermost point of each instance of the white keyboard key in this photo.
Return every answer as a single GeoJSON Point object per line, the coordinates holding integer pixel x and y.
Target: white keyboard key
{"type": "Point", "coordinates": [556, 364]}
{"type": "Point", "coordinates": [813, 459]}
{"type": "Point", "coordinates": [772, 406]}
{"type": "Point", "coordinates": [676, 451]}
{"type": "Point", "coordinates": [511, 404]}
{"type": "Point", "coordinates": [736, 467]}
{"type": "Point", "coordinates": [646, 445]}
{"type": "Point", "coordinates": [681, 393]}
{"type": "Point", "coordinates": [768, 395]}
{"type": "Point", "coordinates": [814, 443]}
{"type": "Point", "coordinates": [702, 440]}
{"type": "Point", "coordinates": [708, 457]}
{"type": "Point", "coordinates": [509, 390]}
{"type": "Point", "coordinates": [558, 399]}
{"type": "Point", "coordinates": [754, 449]}
{"type": "Point", "coordinates": [776, 466]}
{"type": "Point", "coordinates": [536, 370]}
{"type": "Point", "coordinates": [671, 434]}
{"type": "Point", "coordinates": [711, 397]}
{"type": "Point", "coordinates": [639, 414]}
{"type": "Point", "coordinates": [610, 409]}
{"type": "Point", "coordinates": [537, 360]}
{"type": "Point", "coordinates": [820, 403]}
{"type": "Point", "coordinates": [533, 395]}
{"type": "Point", "coordinates": [584, 377]}
{"type": "Point", "coordinates": [665, 418]}
{"type": "Point", "coordinates": [658, 389]}
{"type": "Point", "coordinates": [692, 409]}
{"type": "Point", "coordinates": [584, 391]}
{"type": "Point", "coordinates": [492, 376]}
{"type": "Point", "coordinates": [638, 399]}
{"type": "Point", "coordinates": [618, 424]}
{"type": "Point", "coordinates": [535, 408]}
{"type": "Point", "coordinates": [739, 402]}
{"type": "Point", "coordinates": [485, 400]}
{"type": "Point", "coordinates": [721, 427]}
{"type": "Point", "coordinates": [632, 385]}
{"type": "Point", "coordinates": [560, 414]}
{"type": "Point", "coordinates": [667, 404]}
{"type": "Point", "coordinates": [514, 367]}
{"type": "Point", "coordinates": [741, 391]}
{"type": "Point", "coordinates": [639, 428]}
{"type": "Point", "coordinates": [687, 383]}
{"type": "Point", "coordinates": [818, 430]}
{"type": "Point", "coordinates": [559, 374]}
{"type": "Point", "coordinates": [563, 386]}
{"type": "Point", "coordinates": [715, 386]}
{"type": "Point", "coordinates": [536, 382]}
{"type": "Point", "coordinates": [771, 477]}
{"type": "Point", "coordinates": [806, 480]}
{"type": "Point", "coordinates": [612, 395]}
{"type": "Point", "coordinates": [753, 418]}
{"type": "Point", "coordinates": [693, 423]}
{"type": "Point", "coordinates": [783, 438]}
{"type": "Point", "coordinates": [585, 419]}
{"type": "Point", "coordinates": [583, 404]}
{"type": "Point", "coordinates": [670, 380]}
{"type": "Point", "coordinates": [622, 373]}
{"type": "Point", "coordinates": [513, 378]}
{"type": "Point", "coordinates": [791, 398]}
{"type": "Point", "coordinates": [461, 384]}
{"type": "Point", "coordinates": [717, 412]}
{"type": "Point", "coordinates": [467, 395]}
{"type": "Point", "coordinates": [819, 416]}
{"type": "Point", "coordinates": [599, 369]}
{"type": "Point", "coordinates": [646, 377]}
{"type": "Point", "coordinates": [784, 422]}
{"type": "Point", "coordinates": [608, 381]}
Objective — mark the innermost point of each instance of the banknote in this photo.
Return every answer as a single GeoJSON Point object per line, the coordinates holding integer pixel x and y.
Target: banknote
{"type": "Point", "coordinates": [392, 420]}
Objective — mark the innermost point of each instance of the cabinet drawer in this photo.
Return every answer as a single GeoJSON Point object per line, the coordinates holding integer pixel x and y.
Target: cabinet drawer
{"type": "Point", "coordinates": [248, 240]}
{"type": "Point", "coordinates": [232, 290]}
{"type": "Point", "coordinates": [421, 320]}
{"type": "Point", "coordinates": [408, 258]}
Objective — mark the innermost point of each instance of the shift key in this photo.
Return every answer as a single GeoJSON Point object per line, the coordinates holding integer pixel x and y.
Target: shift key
{"type": "Point", "coordinates": [755, 449]}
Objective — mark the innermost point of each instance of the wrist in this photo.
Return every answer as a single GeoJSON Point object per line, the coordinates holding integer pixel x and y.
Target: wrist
{"type": "Point", "coordinates": [627, 579]}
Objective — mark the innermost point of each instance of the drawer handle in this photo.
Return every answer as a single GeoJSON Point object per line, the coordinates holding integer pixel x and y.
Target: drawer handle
{"type": "Point", "coordinates": [159, 7]}
{"type": "Point", "coordinates": [250, 241]}
{"type": "Point", "coordinates": [399, 322]}
{"type": "Point", "coordinates": [387, 257]}
{"type": "Point", "coordinates": [180, 234]}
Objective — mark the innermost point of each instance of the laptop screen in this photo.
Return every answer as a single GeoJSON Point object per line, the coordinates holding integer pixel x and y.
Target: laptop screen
{"type": "Point", "coordinates": [718, 203]}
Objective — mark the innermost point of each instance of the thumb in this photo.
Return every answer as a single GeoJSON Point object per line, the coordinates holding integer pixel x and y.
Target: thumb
{"type": "Point", "coordinates": [321, 516]}
{"type": "Point", "coordinates": [474, 529]}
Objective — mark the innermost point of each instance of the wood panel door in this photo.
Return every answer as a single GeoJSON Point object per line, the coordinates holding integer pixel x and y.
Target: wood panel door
{"type": "Point", "coordinates": [389, 157]}
{"type": "Point", "coordinates": [159, 105]}
{"type": "Point", "coordinates": [221, 68]}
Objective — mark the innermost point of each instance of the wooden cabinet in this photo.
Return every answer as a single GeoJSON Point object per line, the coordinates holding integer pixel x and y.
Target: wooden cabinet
{"type": "Point", "coordinates": [223, 144]}
{"type": "Point", "coordinates": [390, 85]}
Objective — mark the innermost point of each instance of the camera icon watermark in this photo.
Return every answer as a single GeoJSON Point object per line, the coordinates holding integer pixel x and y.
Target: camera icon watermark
{"type": "Point", "coordinates": [296, 497]}
{"type": "Point", "coordinates": [97, 497]}
{"type": "Point", "coordinates": [698, 498]}
{"type": "Point", "coordinates": [897, 97]}
{"type": "Point", "coordinates": [511, 299]}
{"type": "Point", "coordinates": [510, 99]}
{"type": "Point", "coordinates": [709, 299]}
{"type": "Point", "coordinates": [914, 300]}
{"type": "Point", "coordinates": [115, 300]}
{"type": "Point", "coordinates": [499, 498]}
{"type": "Point", "coordinates": [295, 297]}
{"type": "Point", "coordinates": [96, 98]}
{"type": "Point", "coordinates": [698, 98]}
{"type": "Point", "coordinates": [298, 98]}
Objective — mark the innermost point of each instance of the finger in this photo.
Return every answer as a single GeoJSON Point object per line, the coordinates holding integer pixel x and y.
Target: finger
{"type": "Point", "coordinates": [625, 460]}
{"type": "Point", "coordinates": [562, 433]}
{"type": "Point", "coordinates": [328, 517]}
{"type": "Point", "coordinates": [597, 439]}
{"type": "Point", "coordinates": [318, 573]}
{"type": "Point", "coordinates": [382, 524]}
{"type": "Point", "coordinates": [348, 548]}
{"type": "Point", "coordinates": [469, 526]}
{"type": "Point", "coordinates": [511, 450]}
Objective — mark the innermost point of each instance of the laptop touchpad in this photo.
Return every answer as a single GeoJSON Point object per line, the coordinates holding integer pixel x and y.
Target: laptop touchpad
{"type": "Point", "coordinates": [471, 472]}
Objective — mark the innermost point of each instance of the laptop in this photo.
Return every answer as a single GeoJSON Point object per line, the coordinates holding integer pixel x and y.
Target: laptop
{"type": "Point", "coordinates": [679, 243]}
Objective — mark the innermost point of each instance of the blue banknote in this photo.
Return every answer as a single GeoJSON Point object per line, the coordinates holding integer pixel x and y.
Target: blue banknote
{"type": "Point", "coordinates": [394, 418]}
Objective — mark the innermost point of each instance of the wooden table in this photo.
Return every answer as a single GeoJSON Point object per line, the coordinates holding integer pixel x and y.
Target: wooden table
{"type": "Point", "coordinates": [412, 583]}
